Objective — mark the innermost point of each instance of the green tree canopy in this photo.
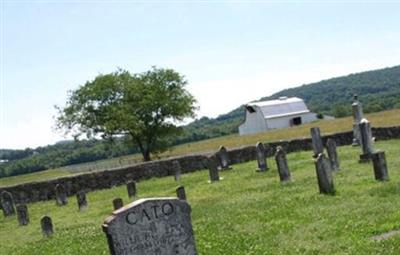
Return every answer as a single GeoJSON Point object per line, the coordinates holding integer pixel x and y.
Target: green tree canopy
{"type": "Point", "coordinates": [142, 107]}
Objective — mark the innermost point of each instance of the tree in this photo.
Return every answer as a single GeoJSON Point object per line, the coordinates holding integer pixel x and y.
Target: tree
{"type": "Point", "coordinates": [142, 107]}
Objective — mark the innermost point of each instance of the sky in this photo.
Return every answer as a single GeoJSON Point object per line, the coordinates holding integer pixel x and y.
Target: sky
{"type": "Point", "coordinates": [231, 52]}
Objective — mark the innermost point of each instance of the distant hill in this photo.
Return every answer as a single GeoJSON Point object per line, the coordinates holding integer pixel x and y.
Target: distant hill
{"type": "Point", "coordinates": [378, 90]}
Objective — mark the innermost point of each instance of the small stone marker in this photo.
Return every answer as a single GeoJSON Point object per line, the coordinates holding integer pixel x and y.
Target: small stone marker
{"type": "Point", "coordinates": [151, 226]}
{"type": "Point", "coordinates": [324, 175]}
{"type": "Point", "coordinates": [317, 145]}
{"type": "Point", "coordinates": [47, 226]}
{"type": "Point", "coordinates": [61, 195]}
{"type": "Point", "coordinates": [81, 199]}
{"type": "Point", "coordinates": [118, 203]}
{"type": "Point", "coordinates": [180, 193]}
{"type": "Point", "coordinates": [177, 170]}
{"type": "Point", "coordinates": [223, 157]}
{"type": "Point", "coordinates": [366, 140]}
{"type": "Point", "coordinates": [7, 203]}
{"type": "Point", "coordinates": [22, 213]}
{"type": "Point", "coordinates": [261, 157]}
{"type": "Point", "coordinates": [281, 162]}
{"type": "Point", "coordinates": [380, 166]}
{"type": "Point", "coordinates": [131, 188]}
{"type": "Point", "coordinates": [332, 154]}
{"type": "Point", "coordinates": [358, 115]}
{"type": "Point", "coordinates": [212, 169]}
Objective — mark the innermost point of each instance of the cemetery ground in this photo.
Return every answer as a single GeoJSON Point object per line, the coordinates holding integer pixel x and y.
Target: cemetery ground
{"type": "Point", "coordinates": [379, 119]}
{"type": "Point", "coordinates": [245, 213]}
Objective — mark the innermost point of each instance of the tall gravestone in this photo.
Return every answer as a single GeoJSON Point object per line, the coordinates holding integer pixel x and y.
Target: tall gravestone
{"type": "Point", "coordinates": [61, 195]}
{"type": "Point", "coordinates": [177, 170]}
{"type": "Point", "coordinates": [151, 226]}
{"type": "Point", "coordinates": [324, 175]}
{"type": "Point", "coordinates": [7, 203]}
{"type": "Point", "coordinates": [47, 226]}
{"type": "Point", "coordinates": [223, 158]}
{"type": "Point", "coordinates": [23, 215]}
{"type": "Point", "coordinates": [81, 200]}
{"type": "Point", "coordinates": [281, 162]}
{"type": "Point", "coordinates": [212, 169]}
{"type": "Point", "coordinates": [332, 154]}
{"type": "Point", "coordinates": [131, 188]}
{"type": "Point", "coordinates": [181, 193]}
{"type": "Point", "coordinates": [366, 140]}
{"type": "Point", "coordinates": [317, 144]}
{"type": "Point", "coordinates": [261, 157]}
{"type": "Point", "coordinates": [358, 115]}
{"type": "Point", "coordinates": [380, 167]}
{"type": "Point", "coordinates": [118, 203]}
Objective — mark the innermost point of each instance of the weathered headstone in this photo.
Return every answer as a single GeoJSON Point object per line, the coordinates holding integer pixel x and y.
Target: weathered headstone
{"type": "Point", "coordinates": [47, 226]}
{"type": "Point", "coordinates": [281, 162]}
{"type": "Point", "coordinates": [324, 175]}
{"type": "Point", "coordinates": [332, 154]}
{"type": "Point", "coordinates": [317, 144]}
{"type": "Point", "coordinates": [223, 157]}
{"type": "Point", "coordinates": [180, 193]}
{"type": "Point", "coordinates": [366, 140]}
{"type": "Point", "coordinates": [212, 169]}
{"type": "Point", "coordinates": [61, 195]}
{"type": "Point", "coordinates": [23, 215]}
{"type": "Point", "coordinates": [7, 203]}
{"type": "Point", "coordinates": [118, 203]}
{"type": "Point", "coordinates": [131, 188]}
{"type": "Point", "coordinates": [177, 170]}
{"type": "Point", "coordinates": [358, 115]}
{"type": "Point", "coordinates": [380, 166]}
{"type": "Point", "coordinates": [261, 157]}
{"type": "Point", "coordinates": [82, 201]}
{"type": "Point", "coordinates": [151, 226]}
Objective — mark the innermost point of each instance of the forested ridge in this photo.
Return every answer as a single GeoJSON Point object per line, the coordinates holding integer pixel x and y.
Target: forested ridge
{"type": "Point", "coordinates": [378, 90]}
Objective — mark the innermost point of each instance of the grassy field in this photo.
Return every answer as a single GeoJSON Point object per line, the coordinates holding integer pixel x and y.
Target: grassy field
{"type": "Point", "coordinates": [381, 119]}
{"type": "Point", "coordinates": [246, 213]}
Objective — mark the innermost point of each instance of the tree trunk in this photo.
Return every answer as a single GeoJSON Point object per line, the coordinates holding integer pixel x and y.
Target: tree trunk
{"type": "Point", "coordinates": [146, 155]}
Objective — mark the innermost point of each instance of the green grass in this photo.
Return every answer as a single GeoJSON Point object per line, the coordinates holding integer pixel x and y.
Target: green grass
{"type": "Point", "coordinates": [246, 213]}
{"type": "Point", "coordinates": [381, 119]}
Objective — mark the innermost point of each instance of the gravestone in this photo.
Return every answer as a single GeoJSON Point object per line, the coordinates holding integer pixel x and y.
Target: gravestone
{"type": "Point", "coordinates": [118, 203]}
{"type": "Point", "coordinates": [47, 226]}
{"type": "Point", "coordinates": [61, 195]}
{"type": "Point", "coordinates": [317, 144]}
{"type": "Point", "coordinates": [22, 213]}
{"type": "Point", "coordinates": [332, 154]}
{"type": "Point", "coordinates": [358, 115]}
{"type": "Point", "coordinates": [212, 169]}
{"type": "Point", "coordinates": [131, 188]}
{"type": "Point", "coordinates": [324, 175]}
{"type": "Point", "coordinates": [180, 193]}
{"type": "Point", "coordinates": [281, 162]}
{"type": "Point", "coordinates": [7, 203]}
{"type": "Point", "coordinates": [366, 140]}
{"type": "Point", "coordinates": [223, 157]}
{"type": "Point", "coordinates": [82, 201]}
{"type": "Point", "coordinates": [151, 226]}
{"type": "Point", "coordinates": [380, 166]}
{"type": "Point", "coordinates": [177, 170]}
{"type": "Point", "coordinates": [261, 157]}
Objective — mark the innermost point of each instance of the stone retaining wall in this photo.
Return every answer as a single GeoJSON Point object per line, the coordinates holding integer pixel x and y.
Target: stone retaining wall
{"type": "Point", "coordinates": [41, 191]}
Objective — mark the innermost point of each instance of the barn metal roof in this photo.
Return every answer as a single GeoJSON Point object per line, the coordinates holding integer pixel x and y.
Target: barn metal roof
{"type": "Point", "coordinates": [283, 106]}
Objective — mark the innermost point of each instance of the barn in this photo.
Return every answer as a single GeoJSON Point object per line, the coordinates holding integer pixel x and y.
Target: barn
{"type": "Point", "coordinates": [281, 113]}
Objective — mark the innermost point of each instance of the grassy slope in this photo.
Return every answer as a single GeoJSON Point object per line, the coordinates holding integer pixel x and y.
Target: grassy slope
{"type": "Point", "coordinates": [381, 119]}
{"type": "Point", "coordinates": [246, 213]}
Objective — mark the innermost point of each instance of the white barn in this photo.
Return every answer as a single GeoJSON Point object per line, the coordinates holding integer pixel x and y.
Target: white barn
{"type": "Point", "coordinates": [280, 113]}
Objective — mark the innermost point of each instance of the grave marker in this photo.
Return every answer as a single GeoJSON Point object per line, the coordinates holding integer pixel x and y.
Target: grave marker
{"type": "Point", "coordinates": [317, 145]}
{"type": "Point", "coordinates": [81, 199]}
{"type": "Point", "coordinates": [23, 216]}
{"type": "Point", "coordinates": [324, 175]}
{"type": "Point", "coordinates": [223, 157]}
{"type": "Point", "coordinates": [380, 166]}
{"type": "Point", "coordinates": [47, 226]}
{"type": "Point", "coordinates": [358, 115]}
{"type": "Point", "coordinates": [281, 162]}
{"type": "Point", "coordinates": [332, 154]}
{"type": "Point", "coordinates": [118, 203]}
{"type": "Point", "coordinates": [7, 203]}
{"type": "Point", "coordinates": [261, 157]}
{"type": "Point", "coordinates": [366, 140]}
{"type": "Point", "coordinates": [177, 170]}
{"type": "Point", "coordinates": [151, 226]}
{"type": "Point", "coordinates": [180, 193]}
{"type": "Point", "coordinates": [212, 169]}
{"type": "Point", "coordinates": [131, 188]}
{"type": "Point", "coordinates": [61, 195]}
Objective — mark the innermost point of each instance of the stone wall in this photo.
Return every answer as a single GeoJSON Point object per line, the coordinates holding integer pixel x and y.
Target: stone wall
{"type": "Point", "coordinates": [41, 191]}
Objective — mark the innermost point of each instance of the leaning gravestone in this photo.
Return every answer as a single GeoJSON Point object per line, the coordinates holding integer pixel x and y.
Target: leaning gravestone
{"type": "Point", "coordinates": [332, 154]}
{"type": "Point", "coordinates": [380, 166]}
{"type": "Point", "coordinates": [61, 195]}
{"type": "Point", "coordinates": [223, 157]}
{"type": "Point", "coordinates": [281, 162]}
{"type": "Point", "coordinates": [317, 145]}
{"type": "Point", "coordinates": [131, 188]}
{"type": "Point", "coordinates": [212, 169]}
{"type": "Point", "coordinates": [261, 157]}
{"type": "Point", "coordinates": [23, 216]}
{"type": "Point", "coordinates": [324, 175]}
{"type": "Point", "coordinates": [366, 140]}
{"type": "Point", "coordinates": [47, 226]}
{"type": "Point", "coordinates": [151, 226]}
{"type": "Point", "coordinates": [118, 203]}
{"type": "Point", "coordinates": [177, 170]}
{"type": "Point", "coordinates": [7, 203]}
{"type": "Point", "coordinates": [82, 201]}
